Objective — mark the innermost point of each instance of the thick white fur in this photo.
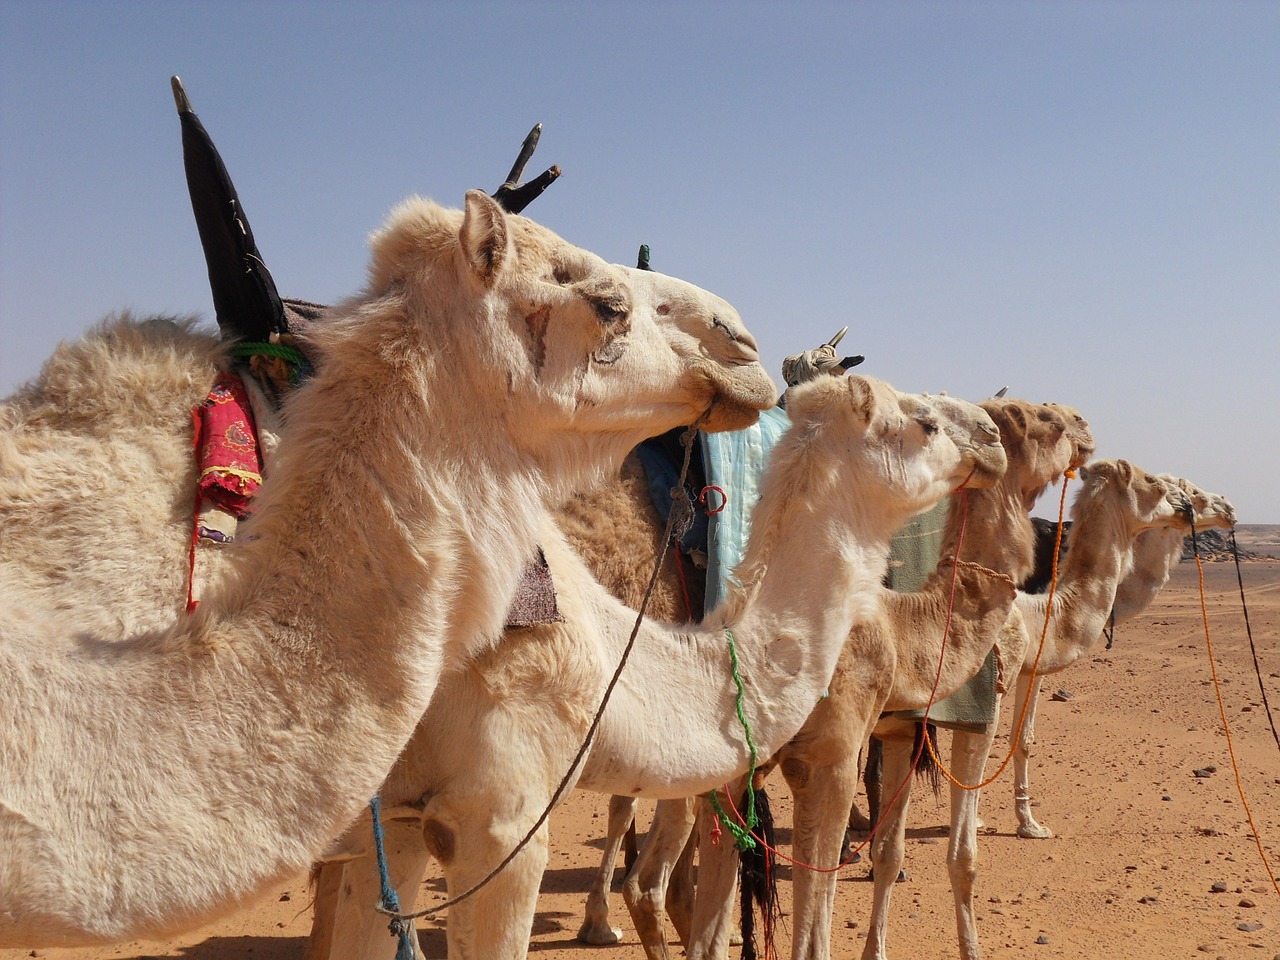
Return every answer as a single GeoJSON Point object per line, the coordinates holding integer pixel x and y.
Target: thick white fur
{"type": "Point", "coordinates": [156, 772]}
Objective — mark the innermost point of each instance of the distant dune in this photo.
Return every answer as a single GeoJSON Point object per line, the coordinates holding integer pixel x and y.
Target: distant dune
{"type": "Point", "coordinates": [1260, 538]}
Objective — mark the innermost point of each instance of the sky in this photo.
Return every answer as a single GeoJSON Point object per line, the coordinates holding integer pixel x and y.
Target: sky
{"type": "Point", "coordinates": [1078, 200]}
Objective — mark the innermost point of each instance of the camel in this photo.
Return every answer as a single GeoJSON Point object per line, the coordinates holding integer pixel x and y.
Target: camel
{"type": "Point", "coordinates": [230, 747]}
{"type": "Point", "coordinates": [1117, 503]}
{"type": "Point", "coordinates": [858, 460]}
{"type": "Point", "coordinates": [1151, 559]}
{"type": "Point", "coordinates": [1041, 442]}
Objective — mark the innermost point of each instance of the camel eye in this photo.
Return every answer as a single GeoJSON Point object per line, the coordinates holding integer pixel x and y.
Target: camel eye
{"type": "Point", "coordinates": [928, 425]}
{"type": "Point", "coordinates": [610, 311]}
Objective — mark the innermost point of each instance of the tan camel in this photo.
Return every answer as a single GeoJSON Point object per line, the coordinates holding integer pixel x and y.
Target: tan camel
{"type": "Point", "coordinates": [1041, 442]}
{"type": "Point", "coordinates": [1118, 501]}
{"type": "Point", "coordinates": [1152, 556]}
{"type": "Point", "coordinates": [858, 460]}
{"type": "Point", "coordinates": [228, 749]}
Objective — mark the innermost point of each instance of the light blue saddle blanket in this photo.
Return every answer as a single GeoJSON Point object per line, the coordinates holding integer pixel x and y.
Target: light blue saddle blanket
{"type": "Point", "coordinates": [735, 461]}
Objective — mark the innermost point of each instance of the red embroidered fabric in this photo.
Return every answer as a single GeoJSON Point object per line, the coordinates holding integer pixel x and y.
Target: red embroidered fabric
{"type": "Point", "coordinates": [227, 446]}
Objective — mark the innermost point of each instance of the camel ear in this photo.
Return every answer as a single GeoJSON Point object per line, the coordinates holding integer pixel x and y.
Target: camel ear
{"type": "Point", "coordinates": [861, 397]}
{"type": "Point", "coordinates": [484, 239]}
{"type": "Point", "coordinates": [1124, 470]}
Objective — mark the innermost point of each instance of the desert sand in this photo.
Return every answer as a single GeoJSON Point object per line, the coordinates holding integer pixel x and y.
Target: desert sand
{"type": "Point", "coordinates": [1141, 840]}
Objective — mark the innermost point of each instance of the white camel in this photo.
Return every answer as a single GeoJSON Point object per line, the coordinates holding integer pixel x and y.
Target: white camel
{"type": "Point", "coordinates": [1151, 560]}
{"type": "Point", "coordinates": [227, 750]}
{"type": "Point", "coordinates": [1117, 503]}
{"type": "Point", "coordinates": [858, 460]}
{"type": "Point", "coordinates": [1041, 442]}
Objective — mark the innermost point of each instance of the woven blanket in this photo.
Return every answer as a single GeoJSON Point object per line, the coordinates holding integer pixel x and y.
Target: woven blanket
{"type": "Point", "coordinates": [913, 555]}
{"type": "Point", "coordinates": [734, 462]}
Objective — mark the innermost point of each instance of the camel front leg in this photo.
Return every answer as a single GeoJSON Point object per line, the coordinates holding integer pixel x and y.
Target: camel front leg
{"type": "Point", "coordinates": [823, 797]}
{"type": "Point", "coordinates": [595, 929]}
{"type": "Point", "coordinates": [496, 921]}
{"type": "Point", "coordinates": [712, 928]}
{"type": "Point", "coordinates": [1028, 693]}
{"type": "Point", "coordinates": [969, 752]}
{"type": "Point", "coordinates": [646, 885]}
{"type": "Point", "coordinates": [889, 843]}
{"type": "Point", "coordinates": [346, 922]}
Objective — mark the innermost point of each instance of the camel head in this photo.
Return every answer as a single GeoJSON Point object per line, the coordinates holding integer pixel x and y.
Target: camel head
{"type": "Point", "coordinates": [1138, 500]}
{"type": "Point", "coordinates": [975, 434]}
{"type": "Point", "coordinates": [1210, 509]}
{"type": "Point", "coordinates": [920, 447]}
{"type": "Point", "coordinates": [568, 347]}
{"type": "Point", "coordinates": [1040, 444]}
{"type": "Point", "coordinates": [1078, 434]}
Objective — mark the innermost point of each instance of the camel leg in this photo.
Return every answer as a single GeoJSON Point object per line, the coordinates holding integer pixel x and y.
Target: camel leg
{"type": "Point", "coordinates": [346, 922]}
{"type": "Point", "coordinates": [681, 890]}
{"type": "Point", "coordinates": [595, 928]}
{"type": "Point", "coordinates": [712, 929]}
{"type": "Point", "coordinates": [889, 843]}
{"type": "Point", "coordinates": [645, 888]}
{"type": "Point", "coordinates": [969, 752]}
{"type": "Point", "coordinates": [1028, 693]}
{"type": "Point", "coordinates": [823, 796]}
{"type": "Point", "coordinates": [495, 922]}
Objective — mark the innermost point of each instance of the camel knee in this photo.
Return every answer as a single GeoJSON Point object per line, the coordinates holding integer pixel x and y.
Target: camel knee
{"type": "Point", "coordinates": [440, 841]}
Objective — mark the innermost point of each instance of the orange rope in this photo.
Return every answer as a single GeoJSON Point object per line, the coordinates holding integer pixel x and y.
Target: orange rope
{"type": "Point", "coordinates": [1016, 733]}
{"type": "Point", "coordinates": [1226, 727]}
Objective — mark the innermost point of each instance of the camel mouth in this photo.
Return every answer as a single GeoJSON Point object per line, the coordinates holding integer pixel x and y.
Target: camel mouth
{"type": "Point", "coordinates": [738, 395]}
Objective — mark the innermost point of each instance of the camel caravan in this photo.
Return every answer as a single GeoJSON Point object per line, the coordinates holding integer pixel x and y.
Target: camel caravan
{"type": "Point", "coordinates": [247, 643]}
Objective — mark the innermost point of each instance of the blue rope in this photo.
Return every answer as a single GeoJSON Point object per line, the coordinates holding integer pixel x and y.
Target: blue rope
{"type": "Point", "coordinates": [400, 928]}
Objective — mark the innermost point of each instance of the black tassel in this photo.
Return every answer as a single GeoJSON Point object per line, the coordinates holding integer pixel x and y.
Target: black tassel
{"type": "Point", "coordinates": [758, 884]}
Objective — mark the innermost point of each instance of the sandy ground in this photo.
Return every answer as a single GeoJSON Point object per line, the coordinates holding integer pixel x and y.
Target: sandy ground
{"type": "Point", "coordinates": [1141, 840]}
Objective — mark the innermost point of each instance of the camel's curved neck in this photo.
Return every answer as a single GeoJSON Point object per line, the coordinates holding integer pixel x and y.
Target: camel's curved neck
{"type": "Point", "coordinates": [1086, 589]}
{"type": "Point", "coordinates": [808, 574]}
{"type": "Point", "coordinates": [991, 527]}
{"type": "Point", "coordinates": [1154, 554]}
{"type": "Point", "coordinates": [230, 750]}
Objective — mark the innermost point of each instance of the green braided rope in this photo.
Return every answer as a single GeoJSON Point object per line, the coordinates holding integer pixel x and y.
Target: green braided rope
{"type": "Point", "coordinates": [300, 366]}
{"type": "Point", "coordinates": [255, 348]}
{"type": "Point", "coordinates": [741, 832]}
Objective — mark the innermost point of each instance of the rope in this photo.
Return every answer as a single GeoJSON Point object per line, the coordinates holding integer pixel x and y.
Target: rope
{"type": "Point", "coordinates": [254, 348]}
{"type": "Point", "coordinates": [680, 503]}
{"type": "Point", "coordinates": [1016, 733]}
{"type": "Point", "coordinates": [400, 928]}
{"type": "Point", "coordinates": [1257, 670]}
{"type": "Point", "coordinates": [1222, 712]}
{"type": "Point", "coordinates": [741, 831]}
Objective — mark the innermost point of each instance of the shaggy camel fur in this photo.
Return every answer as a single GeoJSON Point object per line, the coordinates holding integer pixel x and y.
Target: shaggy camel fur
{"type": "Point", "coordinates": [229, 749]}
{"type": "Point", "coordinates": [1151, 559]}
{"type": "Point", "coordinates": [859, 459]}
{"type": "Point", "coordinates": [1118, 501]}
{"type": "Point", "coordinates": [1041, 442]}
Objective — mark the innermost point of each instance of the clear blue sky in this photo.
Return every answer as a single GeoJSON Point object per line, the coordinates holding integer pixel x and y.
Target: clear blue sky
{"type": "Point", "coordinates": [1080, 200]}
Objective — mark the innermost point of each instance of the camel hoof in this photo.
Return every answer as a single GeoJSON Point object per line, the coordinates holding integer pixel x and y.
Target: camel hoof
{"type": "Point", "coordinates": [1034, 831]}
{"type": "Point", "coordinates": [599, 936]}
{"type": "Point", "coordinates": [735, 939]}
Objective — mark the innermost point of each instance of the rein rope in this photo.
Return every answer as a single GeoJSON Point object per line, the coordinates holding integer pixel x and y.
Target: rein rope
{"type": "Point", "coordinates": [1257, 670]}
{"type": "Point", "coordinates": [682, 510]}
{"type": "Point", "coordinates": [1222, 707]}
{"type": "Point", "coordinates": [1015, 735]}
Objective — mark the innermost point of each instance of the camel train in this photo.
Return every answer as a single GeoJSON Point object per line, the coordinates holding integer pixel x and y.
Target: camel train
{"type": "Point", "coordinates": [351, 636]}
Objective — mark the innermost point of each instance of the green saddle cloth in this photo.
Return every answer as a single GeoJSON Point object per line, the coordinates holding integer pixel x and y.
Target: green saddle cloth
{"type": "Point", "coordinates": [913, 555]}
